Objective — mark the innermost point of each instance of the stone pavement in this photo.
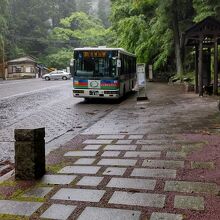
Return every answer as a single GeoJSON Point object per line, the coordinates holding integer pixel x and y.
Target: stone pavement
{"type": "Point", "coordinates": [125, 175]}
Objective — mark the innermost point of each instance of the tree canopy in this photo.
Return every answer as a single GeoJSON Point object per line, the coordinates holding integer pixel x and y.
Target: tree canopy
{"type": "Point", "coordinates": [79, 29]}
{"type": "Point", "coordinates": [49, 29]}
{"type": "Point", "coordinates": [152, 28]}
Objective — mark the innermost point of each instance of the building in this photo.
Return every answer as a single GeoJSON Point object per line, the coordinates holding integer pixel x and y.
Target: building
{"type": "Point", "coordinates": [2, 73]}
{"type": "Point", "coordinates": [24, 67]}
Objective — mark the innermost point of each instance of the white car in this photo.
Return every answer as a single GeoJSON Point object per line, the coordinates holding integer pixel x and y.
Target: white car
{"type": "Point", "coordinates": [57, 74]}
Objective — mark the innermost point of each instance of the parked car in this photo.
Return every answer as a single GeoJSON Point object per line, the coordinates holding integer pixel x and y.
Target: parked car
{"type": "Point", "coordinates": [57, 74]}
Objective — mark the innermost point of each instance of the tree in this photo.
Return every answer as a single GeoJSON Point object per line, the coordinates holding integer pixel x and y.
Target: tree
{"type": "Point", "coordinates": [79, 26]}
{"type": "Point", "coordinates": [152, 29]}
{"type": "Point", "coordinates": [30, 28]}
{"type": "Point", "coordinates": [84, 6]}
{"type": "Point", "coordinates": [79, 29]}
{"type": "Point", "coordinates": [205, 8]}
{"type": "Point", "coordinates": [3, 30]}
{"type": "Point", "coordinates": [59, 9]}
{"type": "Point", "coordinates": [104, 11]}
{"type": "Point", "coordinates": [59, 58]}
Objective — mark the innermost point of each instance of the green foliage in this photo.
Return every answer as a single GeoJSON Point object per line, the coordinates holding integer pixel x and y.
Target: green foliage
{"type": "Point", "coordinates": [80, 28]}
{"type": "Point", "coordinates": [139, 27]}
{"type": "Point", "coordinates": [4, 9]}
{"type": "Point", "coordinates": [87, 30]}
{"type": "Point", "coordinates": [152, 28]}
{"type": "Point", "coordinates": [104, 11]}
{"type": "Point", "coordinates": [13, 217]}
{"type": "Point", "coordinates": [205, 8]}
{"type": "Point", "coordinates": [58, 59]}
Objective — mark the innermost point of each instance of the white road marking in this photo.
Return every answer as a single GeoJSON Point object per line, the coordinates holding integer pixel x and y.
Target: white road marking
{"type": "Point", "coordinates": [6, 83]}
{"type": "Point", "coordinates": [31, 92]}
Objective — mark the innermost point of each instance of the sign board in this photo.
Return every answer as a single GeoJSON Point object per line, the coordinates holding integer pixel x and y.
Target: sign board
{"type": "Point", "coordinates": [94, 84]}
{"type": "Point", "coordinates": [118, 63]}
{"type": "Point", "coordinates": [141, 75]}
{"type": "Point", "coordinates": [151, 72]}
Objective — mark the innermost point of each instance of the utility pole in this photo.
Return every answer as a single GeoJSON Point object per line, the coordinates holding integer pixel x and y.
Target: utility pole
{"type": "Point", "coordinates": [3, 56]}
{"type": "Point", "coordinates": [3, 59]}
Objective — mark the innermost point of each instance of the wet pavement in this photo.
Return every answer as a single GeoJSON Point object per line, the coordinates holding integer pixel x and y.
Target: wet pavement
{"type": "Point", "coordinates": [142, 161]}
{"type": "Point", "coordinates": [38, 103]}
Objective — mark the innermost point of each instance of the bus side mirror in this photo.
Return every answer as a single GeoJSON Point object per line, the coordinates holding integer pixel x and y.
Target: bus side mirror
{"type": "Point", "coordinates": [72, 62]}
{"type": "Point", "coordinates": [72, 66]}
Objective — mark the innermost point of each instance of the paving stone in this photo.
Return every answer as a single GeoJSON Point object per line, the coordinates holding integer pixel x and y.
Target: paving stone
{"type": "Point", "coordinates": [142, 154]}
{"type": "Point", "coordinates": [155, 147]}
{"type": "Point", "coordinates": [57, 179]}
{"type": "Point", "coordinates": [120, 147]}
{"type": "Point", "coordinates": [191, 187]}
{"type": "Point", "coordinates": [160, 173]}
{"type": "Point", "coordinates": [165, 216]}
{"type": "Point", "coordinates": [173, 154]}
{"type": "Point", "coordinates": [114, 171]}
{"type": "Point", "coordinates": [132, 183]}
{"type": "Point", "coordinates": [80, 169]}
{"type": "Point", "coordinates": [202, 165]}
{"type": "Point", "coordinates": [81, 154]}
{"type": "Point", "coordinates": [93, 213]}
{"type": "Point", "coordinates": [90, 181]}
{"type": "Point", "coordinates": [58, 212]}
{"type": "Point", "coordinates": [111, 154]}
{"type": "Point", "coordinates": [39, 192]}
{"type": "Point", "coordinates": [18, 208]}
{"type": "Point", "coordinates": [92, 147]}
{"type": "Point", "coordinates": [164, 163]}
{"type": "Point", "coordinates": [85, 161]}
{"type": "Point", "coordinates": [86, 195]}
{"type": "Point", "coordinates": [117, 162]}
{"type": "Point", "coordinates": [189, 202]}
{"type": "Point", "coordinates": [138, 199]}
{"type": "Point", "coordinates": [115, 136]}
{"type": "Point", "coordinates": [155, 142]}
{"type": "Point", "coordinates": [123, 141]}
{"type": "Point", "coordinates": [98, 141]}
{"type": "Point", "coordinates": [135, 137]}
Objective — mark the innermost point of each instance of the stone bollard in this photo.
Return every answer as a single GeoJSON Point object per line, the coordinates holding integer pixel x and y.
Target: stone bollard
{"type": "Point", "coordinates": [29, 154]}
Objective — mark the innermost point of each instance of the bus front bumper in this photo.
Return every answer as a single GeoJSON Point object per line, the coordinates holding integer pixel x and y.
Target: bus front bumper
{"type": "Point", "coordinates": [84, 93]}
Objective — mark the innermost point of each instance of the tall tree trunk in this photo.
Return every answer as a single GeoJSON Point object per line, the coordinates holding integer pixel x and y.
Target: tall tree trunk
{"type": "Point", "coordinates": [176, 33]}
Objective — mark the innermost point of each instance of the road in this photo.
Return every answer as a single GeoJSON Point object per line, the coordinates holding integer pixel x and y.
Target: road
{"type": "Point", "coordinates": [155, 159]}
{"type": "Point", "coordinates": [37, 103]}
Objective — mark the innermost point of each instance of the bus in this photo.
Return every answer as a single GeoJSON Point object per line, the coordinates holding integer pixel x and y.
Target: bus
{"type": "Point", "coordinates": [103, 72]}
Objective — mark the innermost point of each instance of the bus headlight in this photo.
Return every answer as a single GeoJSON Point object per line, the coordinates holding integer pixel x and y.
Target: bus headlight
{"type": "Point", "coordinates": [78, 91]}
{"type": "Point", "coordinates": [110, 92]}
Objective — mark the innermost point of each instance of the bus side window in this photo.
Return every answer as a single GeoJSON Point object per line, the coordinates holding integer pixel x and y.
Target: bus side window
{"type": "Point", "coordinates": [122, 64]}
{"type": "Point", "coordinates": [113, 66]}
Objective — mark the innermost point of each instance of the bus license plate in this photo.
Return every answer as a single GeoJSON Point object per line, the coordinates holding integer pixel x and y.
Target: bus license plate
{"type": "Point", "coordinates": [93, 92]}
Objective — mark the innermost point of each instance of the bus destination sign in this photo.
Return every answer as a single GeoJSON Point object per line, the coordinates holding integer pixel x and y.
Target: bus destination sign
{"type": "Point", "coordinates": [94, 54]}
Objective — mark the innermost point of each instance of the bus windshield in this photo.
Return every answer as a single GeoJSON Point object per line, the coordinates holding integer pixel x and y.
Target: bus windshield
{"type": "Point", "coordinates": [93, 66]}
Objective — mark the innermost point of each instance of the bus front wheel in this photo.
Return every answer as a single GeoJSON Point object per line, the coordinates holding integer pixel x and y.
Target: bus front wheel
{"type": "Point", "coordinates": [87, 99]}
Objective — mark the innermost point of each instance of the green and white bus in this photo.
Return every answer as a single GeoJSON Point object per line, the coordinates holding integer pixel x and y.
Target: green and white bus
{"type": "Point", "coordinates": [103, 72]}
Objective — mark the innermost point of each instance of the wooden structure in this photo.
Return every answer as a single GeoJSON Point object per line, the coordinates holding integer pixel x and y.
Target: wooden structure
{"type": "Point", "coordinates": [204, 36]}
{"type": "Point", "coordinates": [24, 67]}
{"type": "Point", "coordinates": [2, 71]}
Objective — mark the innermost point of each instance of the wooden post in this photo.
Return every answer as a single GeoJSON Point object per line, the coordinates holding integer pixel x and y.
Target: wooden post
{"type": "Point", "coordinates": [200, 77]}
{"type": "Point", "coordinates": [196, 69]}
{"type": "Point", "coordinates": [215, 86]}
{"type": "Point", "coordinates": [29, 154]}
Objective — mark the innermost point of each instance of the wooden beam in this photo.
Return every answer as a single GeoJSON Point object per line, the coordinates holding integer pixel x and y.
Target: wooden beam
{"type": "Point", "coordinates": [200, 78]}
{"type": "Point", "coordinates": [196, 69]}
{"type": "Point", "coordinates": [215, 86]}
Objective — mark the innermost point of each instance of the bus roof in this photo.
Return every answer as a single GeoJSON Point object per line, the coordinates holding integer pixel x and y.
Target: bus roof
{"type": "Point", "coordinates": [104, 49]}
